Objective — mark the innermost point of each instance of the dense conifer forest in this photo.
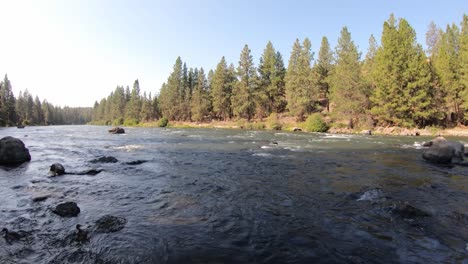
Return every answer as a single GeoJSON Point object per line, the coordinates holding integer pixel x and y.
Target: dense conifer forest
{"type": "Point", "coordinates": [395, 83]}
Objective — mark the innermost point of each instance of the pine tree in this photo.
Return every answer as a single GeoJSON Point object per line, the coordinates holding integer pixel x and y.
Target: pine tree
{"type": "Point", "coordinates": [200, 105]}
{"type": "Point", "coordinates": [243, 105]}
{"type": "Point", "coordinates": [170, 97]}
{"type": "Point", "coordinates": [7, 103]}
{"type": "Point", "coordinates": [270, 93]}
{"type": "Point", "coordinates": [322, 70]}
{"type": "Point", "coordinates": [221, 89]}
{"type": "Point", "coordinates": [402, 96]}
{"type": "Point", "coordinates": [347, 94]}
{"type": "Point", "coordinates": [301, 93]}
{"type": "Point", "coordinates": [432, 38]}
{"type": "Point", "coordinates": [146, 113]}
{"type": "Point", "coordinates": [464, 64]}
{"type": "Point", "coordinates": [448, 69]}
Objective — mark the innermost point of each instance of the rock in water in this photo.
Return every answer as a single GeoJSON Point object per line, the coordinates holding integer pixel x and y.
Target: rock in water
{"type": "Point", "coordinates": [13, 152]}
{"type": "Point", "coordinates": [441, 151]}
{"type": "Point", "coordinates": [105, 159]}
{"type": "Point", "coordinates": [110, 224]}
{"type": "Point", "coordinates": [296, 129]}
{"type": "Point", "coordinates": [117, 130]}
{"type": "Point", "coordinates": [136, 162]}
{"type": "Point", "coordinates": [406, 210]}
{"type": "Point", "coordinates": [374, 195]}
{"type": "Point", "coordinates": [68, 209]}
{"type": "Point", "coordinates": [57, 169]}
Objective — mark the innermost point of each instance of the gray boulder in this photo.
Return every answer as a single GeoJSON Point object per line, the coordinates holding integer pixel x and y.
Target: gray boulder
{"type": "Point", "coordinates": [442, 151]}
{"type": "Point", "coordinates": [68, 209]}
{"type": "Point", "coordinates": [117, 130]}
{"type": "Point", "coordinates": [13, 152]}
{"type": "Point", "coordinates": [57, 169]}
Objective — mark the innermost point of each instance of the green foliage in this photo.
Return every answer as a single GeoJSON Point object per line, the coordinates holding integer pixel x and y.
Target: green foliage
{"type": "Point", "coordinates": [403, 94]}
{"type": "Point", "coordinates": [243, 104]}
{"type": "Point", "coordinates": [163, 122]}
{"type": "Point", "coordinates": [347, 93]}
{"type": "Point", "coordinates": [322, 70]}
{"type": "Point", "coordinates": [315, 123]}
{"type": "Point", "coordinates": [301, 91]}
{"type": "Point", "coordinates": [118, 122]}
{"type": "Point", "coordinates": [269, 96]}
{"type": "Point", "coordinates": [221, 90]}
{"type": "Point", "coordinates": [130, 122]}
{"type": "Point", "coordinates": [273, 122]}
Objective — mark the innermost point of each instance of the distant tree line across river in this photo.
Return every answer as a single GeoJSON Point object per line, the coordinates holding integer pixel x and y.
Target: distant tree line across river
{"type": "Point", "coordinates": [396, 83]}
{"type": "Point", "coordinates": [26, 110]}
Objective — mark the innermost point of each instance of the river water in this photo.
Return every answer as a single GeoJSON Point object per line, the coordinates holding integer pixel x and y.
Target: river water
{"type": "Point", "coordinates": [233, 196]}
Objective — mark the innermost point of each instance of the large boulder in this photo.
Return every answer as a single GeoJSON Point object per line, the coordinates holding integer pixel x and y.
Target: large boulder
{"type": "Point", "coordinates": [13, 152]}
{"type": "Point", "coordinates": [442, 151]}
{"type": "Point", "coordinates": [116, 130]}
{"type": "Point", "coordinates": [68, 209]}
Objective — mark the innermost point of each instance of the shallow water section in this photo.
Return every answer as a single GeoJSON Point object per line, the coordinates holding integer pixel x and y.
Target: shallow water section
{"type": "Point", "coordinates": [233, 196]}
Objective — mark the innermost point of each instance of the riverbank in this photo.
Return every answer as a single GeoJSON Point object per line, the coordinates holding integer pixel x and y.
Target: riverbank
{"type": "Point", "coordinates": [288, 124]}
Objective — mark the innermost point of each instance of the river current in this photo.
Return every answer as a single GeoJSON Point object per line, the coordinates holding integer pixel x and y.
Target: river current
{"type": "Point", "coordinates": [233, 196]}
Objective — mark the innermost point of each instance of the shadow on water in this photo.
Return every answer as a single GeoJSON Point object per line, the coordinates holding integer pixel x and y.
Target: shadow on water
{"type": "Point", "coordinates": [233, 196]}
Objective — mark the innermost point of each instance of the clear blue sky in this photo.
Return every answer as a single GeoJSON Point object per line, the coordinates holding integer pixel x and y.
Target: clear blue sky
{"type": "Point", "coordinates": [77, 51]}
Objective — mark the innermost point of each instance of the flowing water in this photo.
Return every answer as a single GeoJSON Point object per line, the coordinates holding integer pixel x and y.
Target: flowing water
{"type": "Point", "coordinates": [233, 196]}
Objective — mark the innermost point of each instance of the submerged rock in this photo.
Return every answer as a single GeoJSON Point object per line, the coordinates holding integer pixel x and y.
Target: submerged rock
{"type": "Point", "coordinates": [116, 130]}
{"type": "Point", "coordinates": [13, 152]}
{"type": "Point", "coordinates": [89, 172]}
{"type": "Point", "coordinates": [12, 236]}
{"type": "Point", "coordinates": [136, 162]}
{"type": "Point", "coordinates": [68, 209]}
{"type": "Point", "coordinates": [40, 198]}
{"type": "Point", "coordinates": [406, 210]}
{"type": "Point", "coordinates": [105, 159]}
{"type": "Point", "coordinates": [110, 224]}
{"type": "Point", "coordinates": [57, 169]}
{"type": "Point", "coordinates": [441, 151]}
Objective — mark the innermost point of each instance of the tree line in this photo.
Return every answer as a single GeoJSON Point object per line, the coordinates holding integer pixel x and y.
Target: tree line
{"type": "Point", "coordinates": [26, 110]}
{"type": "Point", "coordinates": [396, 83]}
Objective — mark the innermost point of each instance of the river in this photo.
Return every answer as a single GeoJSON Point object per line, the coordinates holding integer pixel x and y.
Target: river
{"type": "Point", "coordinates": [233, 196]}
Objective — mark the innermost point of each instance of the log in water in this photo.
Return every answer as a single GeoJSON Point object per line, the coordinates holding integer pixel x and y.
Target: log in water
{"type": "Point", "coordinates": [232, 196]}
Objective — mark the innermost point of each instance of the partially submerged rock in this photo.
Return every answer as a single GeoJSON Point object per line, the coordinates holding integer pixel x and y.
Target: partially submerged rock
{"type": "Point", "coordinates": [136, 162]}
{"type": "Point", "coordinates": [406, 210]}
{"type": "Point", "coordinates": [105, 159]}
{"type": "Point", "coordinates": [89, 172]}
{"type": "Point", "coordinates": [296, 129]}
{"type": "Point", "coordinates": [110, 224]}
{"type": "Point", "coordinates": [13, 152]}
{"type": "Point", "coordinates": [68, 209]}
{"type": "Point", "coordinates": [442, 151]}
{"type": "Point", "coordinates": [116, 130]}
{"type": "Point", "coordinates": [57, 169]}
{"type": "Point", "coordinates": [40, 198]}
{"type": "Point", "coordinates": [13, 236]}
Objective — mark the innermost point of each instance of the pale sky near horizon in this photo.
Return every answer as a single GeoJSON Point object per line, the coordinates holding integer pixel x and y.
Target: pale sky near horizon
{"type": "Point", "coordinates": [74, 52]}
